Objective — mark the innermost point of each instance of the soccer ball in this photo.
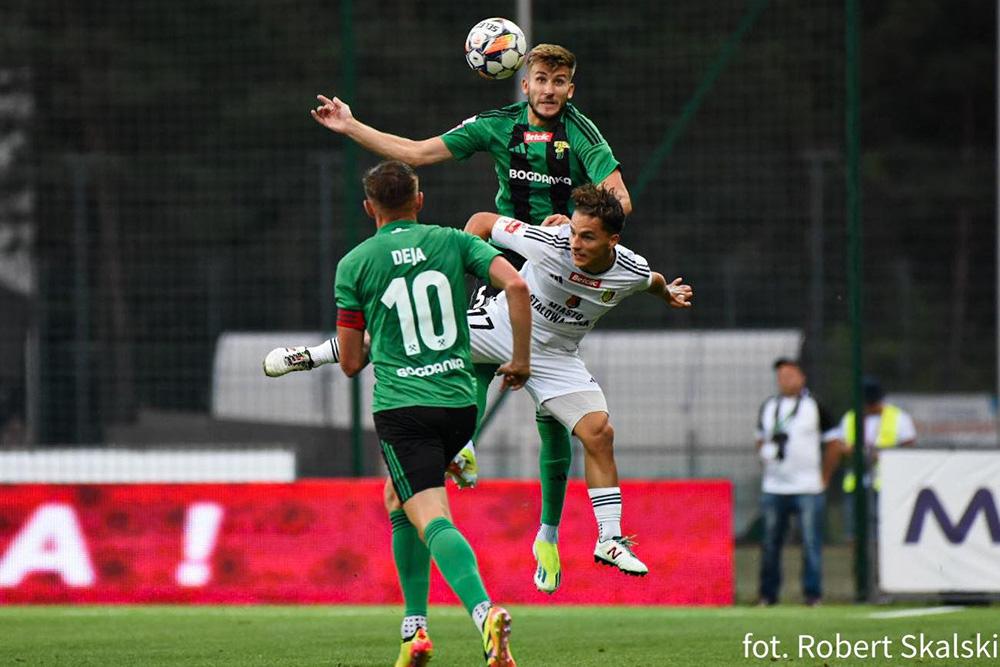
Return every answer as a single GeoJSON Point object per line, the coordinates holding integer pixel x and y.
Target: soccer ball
{"type": "Point", "coordinates": [495, 48]}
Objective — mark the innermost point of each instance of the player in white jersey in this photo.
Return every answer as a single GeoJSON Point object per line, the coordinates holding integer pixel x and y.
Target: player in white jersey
{"type": "Point", "coordinates": [576, 273]}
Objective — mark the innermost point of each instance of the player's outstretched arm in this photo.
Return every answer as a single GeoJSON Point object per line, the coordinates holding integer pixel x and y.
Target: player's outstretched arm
{"type": "Point", "coordinates": [615, 182]}
{"type": "Point", "coordinates": [675, 293]}
{"type": "Point", "coordinates": [481, 225]}
{"type": "Point", "coordinates": [504, 276]}
{"type": "Point", "coordinates": [335, 115]}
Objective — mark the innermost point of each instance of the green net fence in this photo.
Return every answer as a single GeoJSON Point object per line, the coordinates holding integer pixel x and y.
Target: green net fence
{"type": "Point", "coordinates": [162, 184]}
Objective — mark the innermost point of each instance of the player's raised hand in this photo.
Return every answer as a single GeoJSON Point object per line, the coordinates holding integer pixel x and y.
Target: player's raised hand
{"type": "Point", "coordinates": [514, 375]}
{"type": "Point", "coordinates": [555, 220]}
{"type": "Point", "coordinates": [679, 295]}
{"type": "Point", "coordinates": [332, 114]}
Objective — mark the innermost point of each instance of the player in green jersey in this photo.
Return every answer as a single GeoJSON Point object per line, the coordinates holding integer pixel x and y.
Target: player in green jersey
{"type": "Point", "coordinates": [542, 148]}
{"type": "Point", "coordinates": [401, 285]}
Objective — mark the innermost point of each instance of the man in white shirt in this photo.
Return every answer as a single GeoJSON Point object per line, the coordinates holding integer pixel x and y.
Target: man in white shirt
{"type": "Point", "coordinates": [799, 447]}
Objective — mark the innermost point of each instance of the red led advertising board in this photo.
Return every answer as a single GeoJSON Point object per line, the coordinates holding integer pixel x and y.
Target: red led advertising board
{"type": "Point", "coordinates": [329, 541]}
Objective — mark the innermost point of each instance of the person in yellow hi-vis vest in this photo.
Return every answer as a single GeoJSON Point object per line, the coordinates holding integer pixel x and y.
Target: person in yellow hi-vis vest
{"type": "Point", "coordinates": [886, 425]}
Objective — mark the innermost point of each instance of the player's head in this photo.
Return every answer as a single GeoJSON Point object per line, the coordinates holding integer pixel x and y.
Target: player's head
{"type": "Point", "coordinates": [789, 375]}
{"type": "Point", "coordinates": [392, 192]}
{"type": "Point", "coordinates": [548, 81]}
{"type": "Point", "coordinates": [595, 227]}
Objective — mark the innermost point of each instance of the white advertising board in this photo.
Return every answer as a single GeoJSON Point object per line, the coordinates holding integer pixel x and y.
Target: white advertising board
{"type": "Point", "coordinates": [939, 521]}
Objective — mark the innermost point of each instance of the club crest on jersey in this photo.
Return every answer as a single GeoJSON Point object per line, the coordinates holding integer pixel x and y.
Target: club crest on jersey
{"type": "Point", "coordinates": [539, 137]}
{"type": "Point", "coordinates": [573, 301]}
{"type": "Point", "coordinates": [575, 277]}
{"type": "Point", "coordinates": [561, 148]}
{"type": "Point", "coordinates": [513, 226]}
{"type": "Point", "coordinates": [607, 295]}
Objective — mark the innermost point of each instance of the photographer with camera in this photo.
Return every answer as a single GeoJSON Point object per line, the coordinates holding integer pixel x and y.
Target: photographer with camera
{"type": "Point", "coordinates": [798, 444]}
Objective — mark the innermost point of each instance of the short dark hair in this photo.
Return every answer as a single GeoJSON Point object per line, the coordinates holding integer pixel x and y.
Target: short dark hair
{"type": "Point", "coordinates": [871, 390]}
{"type": "Point", "coordinates": [602, 204]}
{"type": "Point", "coordinates": [391, 184]}
{"type": "Point", "coordinates": [786, 361]}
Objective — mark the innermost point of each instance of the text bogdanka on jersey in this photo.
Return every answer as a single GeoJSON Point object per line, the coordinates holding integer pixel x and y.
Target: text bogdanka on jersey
{"type": "Point", "coordinates": [411, 256]}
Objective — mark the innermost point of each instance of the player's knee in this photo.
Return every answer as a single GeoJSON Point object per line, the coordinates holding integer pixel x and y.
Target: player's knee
{"type": "Point", "coordinates": [390, 498]}
{"type": "Point", "coordinates": [600, 440]}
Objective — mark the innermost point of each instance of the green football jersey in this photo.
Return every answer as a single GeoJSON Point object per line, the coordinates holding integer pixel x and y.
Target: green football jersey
{"type": "Point", "coordinates": [409, 281]}
{"type": "Point", "coordinates": [537, 168]}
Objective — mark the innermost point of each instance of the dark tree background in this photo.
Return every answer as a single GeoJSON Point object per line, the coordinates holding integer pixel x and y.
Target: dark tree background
{"type": "Point", "coordinates": [180, 132]}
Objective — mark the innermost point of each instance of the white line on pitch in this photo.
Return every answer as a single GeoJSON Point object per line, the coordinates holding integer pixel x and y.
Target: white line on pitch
{"type": "Point", "coordinates": [906, 613]}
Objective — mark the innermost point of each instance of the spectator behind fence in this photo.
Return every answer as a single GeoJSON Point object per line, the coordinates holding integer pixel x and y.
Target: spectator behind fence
{"type": "Point", "coordinates": [886, 426]}
{"type": "Point", "coordinates": [798, 446]}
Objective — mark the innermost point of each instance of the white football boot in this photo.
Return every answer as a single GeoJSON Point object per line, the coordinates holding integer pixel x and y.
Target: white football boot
{"type": "Point", "coordinates": [617, 552]}
{"type": "Point", "coordinates": [282, 360]}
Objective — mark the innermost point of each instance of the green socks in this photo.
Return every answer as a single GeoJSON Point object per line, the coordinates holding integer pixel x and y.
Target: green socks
{"type": "Point", "coordinates": [413, 564]}
{"type": "Point", "coordinates": [484, 375]}
{"type": "Point", "coordinates": [554, 455]}
{"type": "Point", "coordinates": [456, 562]}
{"type": "Point", "coordinates": [554, 458]}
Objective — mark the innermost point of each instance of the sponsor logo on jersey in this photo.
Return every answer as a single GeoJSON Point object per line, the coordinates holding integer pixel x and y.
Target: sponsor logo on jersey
{"type": "Point", "coordinates": [513, 226]}
{"type": "Point", "coordinates": [535, 177]}
{"type": "Point", "coordinates": [573, 301]}
{"type": "Point", "coordinates": [575, 277]}
{"type": "Point", "coordinates": [556, 278]}
{"type": "Point", "coordinates": [539, 137]}
{"type": "Point", "coordinates": [607, 295]}
{"type": "Point", "coordinates": [431, 369]}
{"type": "Point", "coordinates": [557, 313]}
{"type": "Point", "coordinates": [561, 148]}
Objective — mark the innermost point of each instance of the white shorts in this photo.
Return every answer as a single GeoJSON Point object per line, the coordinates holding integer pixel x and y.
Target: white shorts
{"type": "Point", "coordinates": [554, 372]}
{"type": "Point", "coordinates": [569, 409]}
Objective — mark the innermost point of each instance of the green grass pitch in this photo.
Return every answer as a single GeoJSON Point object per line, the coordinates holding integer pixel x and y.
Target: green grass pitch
{"type": "Point", "coordinates": [542, 635]}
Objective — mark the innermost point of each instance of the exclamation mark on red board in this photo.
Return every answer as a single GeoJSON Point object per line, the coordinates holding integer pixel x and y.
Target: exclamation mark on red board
{"type": "Point", "coordinates": [201, 528]}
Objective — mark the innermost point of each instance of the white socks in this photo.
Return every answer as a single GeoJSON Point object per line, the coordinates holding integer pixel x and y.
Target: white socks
{"type": "Point", "coordinates": [607, 504]}
{"type": "Point", "coordinates": [410, 626]}
{"type": "Point", "coordinates": [479, 613]}
{"type": "Point", "coordinates": [547, 533]}
{"type": "Point", "coordinates": [327, 352]}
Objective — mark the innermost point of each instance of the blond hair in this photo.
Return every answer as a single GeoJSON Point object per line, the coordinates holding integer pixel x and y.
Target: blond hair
{"type": "Point", "coordinates": [553, 56]}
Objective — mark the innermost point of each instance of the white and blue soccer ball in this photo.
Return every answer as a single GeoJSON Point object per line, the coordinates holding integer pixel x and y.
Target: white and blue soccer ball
{"type": "Point", "coordinates": [495, 48]}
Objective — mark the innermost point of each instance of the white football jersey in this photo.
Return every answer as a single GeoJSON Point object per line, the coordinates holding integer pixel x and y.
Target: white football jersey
{"type": "Point", "coordinates": [566, 302]}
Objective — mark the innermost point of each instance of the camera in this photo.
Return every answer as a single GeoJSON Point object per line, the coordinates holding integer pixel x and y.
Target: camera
{"type": "Point", "coordinates": [780, 439]}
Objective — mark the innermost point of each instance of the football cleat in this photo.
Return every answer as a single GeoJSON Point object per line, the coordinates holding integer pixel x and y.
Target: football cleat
{"type": "Point", "coordinates": [415, 651]}
{"type": "Point", "coordinates": [617, 552]}
{"type": "Point", "coordinates": [547, 575]}
{"type": "Point", "coordinates": [464, 469]}
{"type": "Point", "coordinates": [496, 639]}
{"type": "Point", "coordinates": [282, 360]}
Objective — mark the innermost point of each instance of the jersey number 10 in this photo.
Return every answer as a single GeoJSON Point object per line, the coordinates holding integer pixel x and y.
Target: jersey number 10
{"type": "Point", "coordinates": [398, 296]}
